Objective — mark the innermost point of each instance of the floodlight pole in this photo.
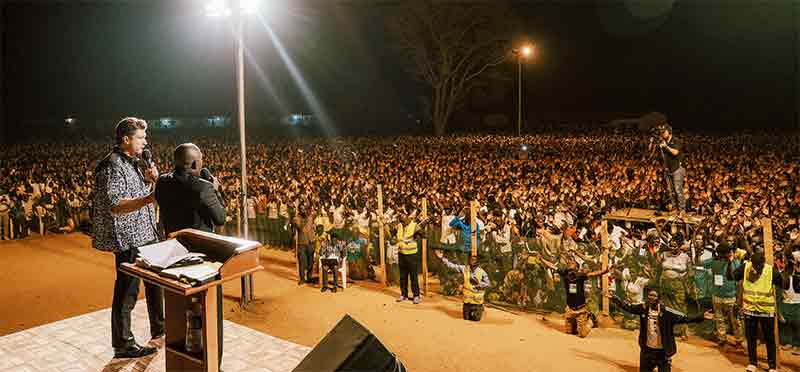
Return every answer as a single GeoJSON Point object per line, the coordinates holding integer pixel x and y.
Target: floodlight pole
{"type": "Point", "coordinates": [247, 281]}
{"type": "Point", "coordinates": [519, 94]}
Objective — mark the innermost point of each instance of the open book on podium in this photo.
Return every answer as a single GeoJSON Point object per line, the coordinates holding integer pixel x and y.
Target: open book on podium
{"type": "Point", "coordinates": [232, 258]}
{"type": "Point", "coordinates": [226, 258]}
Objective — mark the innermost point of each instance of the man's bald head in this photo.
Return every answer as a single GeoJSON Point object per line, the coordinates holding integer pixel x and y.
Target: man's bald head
{"type": "Point", "coordinates": [189, 157]}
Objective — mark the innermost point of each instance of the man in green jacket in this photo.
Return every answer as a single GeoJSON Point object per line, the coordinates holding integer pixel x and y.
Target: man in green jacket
{"type": "Point", "coordinates": [723, 295]}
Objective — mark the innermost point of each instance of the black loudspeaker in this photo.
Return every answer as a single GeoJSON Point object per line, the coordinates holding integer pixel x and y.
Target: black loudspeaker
{"type": "Point", "coordinates": [350, 347]}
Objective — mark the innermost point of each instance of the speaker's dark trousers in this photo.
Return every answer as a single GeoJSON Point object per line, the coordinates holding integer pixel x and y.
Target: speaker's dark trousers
{"type": "Point", "coordinates": [408, 270]}
{"type": "Point", "coordinates": [126, 290]}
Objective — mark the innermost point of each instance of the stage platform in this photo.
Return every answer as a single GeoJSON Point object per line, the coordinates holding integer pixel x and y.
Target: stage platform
{"type": "Point", "coordinates": [649, 216]}
{"type": "Point", "coordinates": [83, 344]}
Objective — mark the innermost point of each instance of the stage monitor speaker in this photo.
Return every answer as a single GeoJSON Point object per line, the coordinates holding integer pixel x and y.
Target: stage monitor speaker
{"type": "Point", "coordinates": [350, 347]}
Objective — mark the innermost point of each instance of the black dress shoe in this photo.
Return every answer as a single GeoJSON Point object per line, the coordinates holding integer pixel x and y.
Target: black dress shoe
{"type": "Point", "coordinates": [323, 289]}
{"type": "Point", "coordinates": [135, 351]}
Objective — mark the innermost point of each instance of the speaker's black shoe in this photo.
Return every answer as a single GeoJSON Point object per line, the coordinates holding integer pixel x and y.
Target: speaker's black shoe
{"type": "Point", "coordinates": [135, 351]}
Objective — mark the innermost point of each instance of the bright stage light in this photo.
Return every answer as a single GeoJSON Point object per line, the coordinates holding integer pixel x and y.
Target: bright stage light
{"type": "Point", "coordinates": [527, 51]}
{"type": "Point", "coordinates": [249, 6]}
{"type": "Point", "coordinates": [217, 8]}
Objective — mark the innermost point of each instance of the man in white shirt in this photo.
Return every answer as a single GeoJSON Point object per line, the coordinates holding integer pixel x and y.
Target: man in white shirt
{"type": "Point", "coordinates": [502, 236]}
{"type": "Point", "coordinates": [273, 227]}
{"type": "Point", "coordinates": [448, 236]}
{"type": "Point", "coordinates": [27, 206]}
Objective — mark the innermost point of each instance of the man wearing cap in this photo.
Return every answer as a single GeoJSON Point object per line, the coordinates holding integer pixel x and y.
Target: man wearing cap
{"type": "Point", "coordinates": [671, 150]}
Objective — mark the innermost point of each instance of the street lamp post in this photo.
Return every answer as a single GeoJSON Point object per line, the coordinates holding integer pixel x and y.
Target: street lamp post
{"type": "Point", "coordinates": [247, 280]}
{"type": "Point", "coordinates": [214, 9]}
{"type": "Point", "coordinates": [519, 97]}
{"type": "Point", "coordinates": [522, 53]}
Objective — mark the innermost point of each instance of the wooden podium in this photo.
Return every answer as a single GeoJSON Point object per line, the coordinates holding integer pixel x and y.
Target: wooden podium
{"type": "Point", "coordinates": [239, 257]}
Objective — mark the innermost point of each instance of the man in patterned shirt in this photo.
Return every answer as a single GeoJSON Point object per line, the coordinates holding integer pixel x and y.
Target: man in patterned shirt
{"type": "Point", "coordinates": [124, 220]}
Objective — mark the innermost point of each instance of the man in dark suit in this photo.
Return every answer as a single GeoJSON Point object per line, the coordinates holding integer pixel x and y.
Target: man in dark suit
{"type": "Point", "coordinates": [185, 198]}
{"type": "Point", "coordinates": [189, 198]}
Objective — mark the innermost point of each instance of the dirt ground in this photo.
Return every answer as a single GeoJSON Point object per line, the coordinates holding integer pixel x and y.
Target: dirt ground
{"type": "Point", "coordinates": [60, 276]}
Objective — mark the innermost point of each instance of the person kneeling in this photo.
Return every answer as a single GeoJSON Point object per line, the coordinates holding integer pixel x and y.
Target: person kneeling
{"type": "Point", "coordinates": [475, 282]}
{"type": "Point", "coordinates": [576, 314]}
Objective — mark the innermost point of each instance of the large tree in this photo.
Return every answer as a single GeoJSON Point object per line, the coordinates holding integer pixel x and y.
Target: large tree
{"type": "Point", "coordinates": [448, 45]}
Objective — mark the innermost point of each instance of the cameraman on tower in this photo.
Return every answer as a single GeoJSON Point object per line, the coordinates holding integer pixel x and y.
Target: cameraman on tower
{"type": "Point", "coordinates": [671, 150]}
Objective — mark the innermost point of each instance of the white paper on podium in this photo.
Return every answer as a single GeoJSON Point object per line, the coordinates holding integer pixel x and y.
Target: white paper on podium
{"type": "Point", "coordinates": [200, 272]}
{"type": "Point", "coordinates": [164, 254]}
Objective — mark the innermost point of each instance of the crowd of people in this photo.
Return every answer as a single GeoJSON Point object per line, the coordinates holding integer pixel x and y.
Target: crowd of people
{"type": "Point", "coordinates": [540, 202]}
{"type": "Point", "coordinates": [45, 187]}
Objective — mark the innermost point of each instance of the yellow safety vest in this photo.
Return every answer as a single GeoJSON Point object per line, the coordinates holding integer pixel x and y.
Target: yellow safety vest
{"type": "Point", "coordinates": [405, 238]}
{"type": "Point", "coordinates": [473, 295]}
{"type": "Point", "coordinates": [758, 296]}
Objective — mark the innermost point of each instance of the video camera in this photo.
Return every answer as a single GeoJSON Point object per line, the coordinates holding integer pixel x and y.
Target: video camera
{"type": "Point", "coordinates": [657, 122]}
{"type": "Point", "coordinates": [655, 131]}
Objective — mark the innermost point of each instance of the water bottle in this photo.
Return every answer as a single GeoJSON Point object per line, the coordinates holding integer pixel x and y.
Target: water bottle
{"type": "Point", "coordinates": [194, 327]}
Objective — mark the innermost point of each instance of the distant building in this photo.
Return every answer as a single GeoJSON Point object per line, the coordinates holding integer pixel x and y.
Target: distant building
{"type": "Point", "coordinates": [172, 122]}
{"type": "Point", "coordinates": [298, 120]}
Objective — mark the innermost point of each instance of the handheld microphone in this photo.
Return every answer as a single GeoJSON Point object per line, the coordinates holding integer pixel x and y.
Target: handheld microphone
{"type": "Point", "coordinates": [206, 175]}
{"type": "Point", "coordinates": [147, 157]}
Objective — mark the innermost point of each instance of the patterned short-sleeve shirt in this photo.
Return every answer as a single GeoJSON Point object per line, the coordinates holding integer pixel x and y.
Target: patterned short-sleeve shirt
{"type": "Point", "coordinates": [116, 178]}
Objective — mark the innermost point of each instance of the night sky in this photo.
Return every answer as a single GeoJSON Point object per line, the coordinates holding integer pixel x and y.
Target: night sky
{"type": "Point", "coordinates": [704, 63]}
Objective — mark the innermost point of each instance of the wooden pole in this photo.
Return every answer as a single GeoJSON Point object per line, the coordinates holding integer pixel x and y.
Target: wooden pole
{"type": "Point", "coordinates": [473, 226]}
{"type": "Point", "coordinates": [380, 235]}
{"type": "Point", "coordinates": [239, 222]}
{"type": "Point", "coordinates": [766, 223]}
{"type": "Point", "coordinates": [425, 251]}
{"type": "Point", "coordinates": [604, 256]}
{"type": "Point", "coordinates": [296, 253]}
{"type": "Point", "coordinates": [369, 242]}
